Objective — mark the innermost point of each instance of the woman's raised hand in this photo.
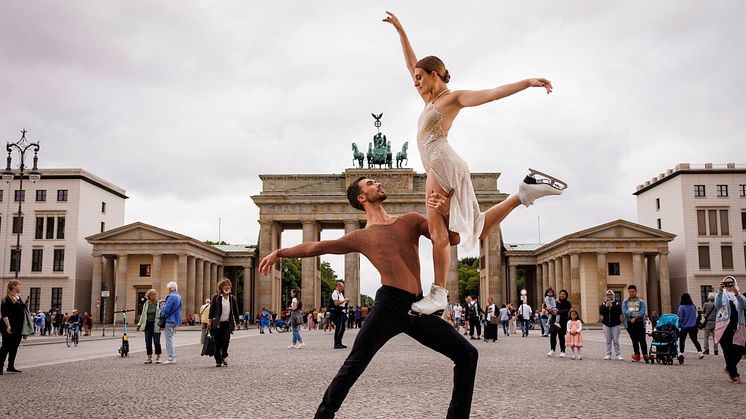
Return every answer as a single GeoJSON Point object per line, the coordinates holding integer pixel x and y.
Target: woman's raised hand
{"type": "Point", "coordinates": [392, 19]}
{"type": "Point", "coordinates": [541, 83]}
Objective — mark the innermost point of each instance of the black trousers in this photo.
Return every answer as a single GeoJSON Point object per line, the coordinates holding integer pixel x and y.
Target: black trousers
{"type": "Point", "coordinates": [10, 346]}
{"type": "Point", "coordinates": [636, 332]}
{"type": "Point", "coordinates": [340, 322]}
{"type": "Point", "coordinates": [732, 353]}
{"type": "Point", "coordinates": [490, 331]}
{"type": "Point", "coordinates": [222, 336]}
{"type": "Point", "coordinates": [475, 323]}
{"type": "Point", "coordinates": [553, 335]}
{"type": "Point", "coordinates": [692, 333]}
{"type": "Point", "coordinates": [389, 319]}
{"type": "Point", "coordinates": [152, 339]}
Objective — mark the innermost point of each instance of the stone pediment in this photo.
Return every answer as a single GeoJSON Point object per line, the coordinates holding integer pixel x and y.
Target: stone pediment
{"type": "Point", "coordinates": [137, 232]}
{"type": "Point", "coordinates": [622, 229]}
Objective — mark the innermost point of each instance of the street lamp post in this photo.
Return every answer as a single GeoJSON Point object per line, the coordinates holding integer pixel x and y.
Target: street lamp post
{"type": "Point", "coordinates": [21, 146]}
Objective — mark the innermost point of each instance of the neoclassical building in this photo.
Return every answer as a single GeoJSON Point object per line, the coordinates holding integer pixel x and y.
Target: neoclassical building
{"type": "Point", "coordinates": [130, 260]}
{"type": "Point", "coordinates": [588, 262]}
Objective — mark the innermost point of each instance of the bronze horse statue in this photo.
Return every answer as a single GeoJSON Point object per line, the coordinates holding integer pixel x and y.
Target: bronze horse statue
{"type": "Point", "coordinates": [357, 156]}
{"type": "Point", "coordinates": [402, 155]}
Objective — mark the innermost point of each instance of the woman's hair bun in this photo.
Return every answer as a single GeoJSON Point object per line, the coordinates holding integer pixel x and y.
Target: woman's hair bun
{"type": "Point", "coordinates": [446, 77]}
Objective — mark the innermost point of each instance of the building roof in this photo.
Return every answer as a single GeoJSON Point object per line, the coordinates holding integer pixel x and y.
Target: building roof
{"type": "Point", "coordinates": [80, 174]}
{"type": "Point", "coordinates": [686, 168]}
{"type": "Point", "coordinates": [235, 248]}
{"type": "Point", "coordinates": [522, 247]}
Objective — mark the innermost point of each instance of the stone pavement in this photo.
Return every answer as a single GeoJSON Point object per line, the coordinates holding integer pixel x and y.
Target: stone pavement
{"type": "Point", "coordinates": [265, 380]}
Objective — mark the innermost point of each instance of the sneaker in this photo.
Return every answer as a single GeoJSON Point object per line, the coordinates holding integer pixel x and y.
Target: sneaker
{"type": "Point", "coordinates": [550, 353]}
{"type": "Point", "coordinates": [13, 371]}
{"type": "Point", "coordinates": [573, 357]}
{"type": "Point", "coordinates": [735, 380]}
{"type": "Point", "coordinates": [619, 358]}
{"type": "Point", "coordinates": [562, 354]}
{"type": "Point", "coordinates": [607, 357]}
{"type": "Point", "coordinates": [300, 345]}
{"type": "Point", "coordinates": [700, 355]}
{"type": "Point", "coordinates": [437, 300]}
{"type": "Point", "coordinates": [292, 346]}
{"type": "Point", "coordinates": [580, 357]}
{"type": "Point", "coordinates": [532, 188]}
{"type": "Point", "coordinates": [170, 362]}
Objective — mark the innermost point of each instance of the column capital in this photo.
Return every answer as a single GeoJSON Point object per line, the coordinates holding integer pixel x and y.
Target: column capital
{"type": "Point", "coordinates": [663, 253]}
{"type": "Point", "coordinates": [602, 253]}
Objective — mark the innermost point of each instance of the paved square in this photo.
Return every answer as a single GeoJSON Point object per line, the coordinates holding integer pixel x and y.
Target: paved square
{"type": "Point", "coordinates": [405, 380]}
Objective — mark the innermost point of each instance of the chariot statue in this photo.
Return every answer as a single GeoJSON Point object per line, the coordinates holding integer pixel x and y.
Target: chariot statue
{"type": "Point", "coordinates": [379, 151]}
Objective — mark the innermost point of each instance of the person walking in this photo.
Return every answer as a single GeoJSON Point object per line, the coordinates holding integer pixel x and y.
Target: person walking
{"type": "Point", "coordinates": [730, 325]}
{"type": "Point", "coordinates": [505, 319]}
{"type": "Point", "coordinates": [544, 319]}
{"type": "Point", "coordinates": [688, 325]}
{"type": "Point", "coordinates": [575, 339]}
{"type": "Point", "coordinates": [339, 314]}
{"type": "Point", "coordinates": [358, 317]}
{"type": "Point", "coordinates": [513, 319]}
{"type": "Point", "coordinates": [474, 313]}
{"type": "Point", "coordinates": [611, 318]}
{"type": "Point", "coordinates": [561, 311]}
{"type": "Point", "coordinates": [204, 319]}
{"type": "Point", "coordinates": [320, 317]}
{"type": "Point", "coordinates": [364, 313]}
{"type": "Point", "coordinates": [310, 321]}
{"type": "Point", "coordinates": [491, 319]}
{"type": "Point", "coordinates": [171, 311]}
{"type": "Point", "coordinates": [148, 322]}
{"type": "Point", "coordinates": [708, 311]}
{"type": "Point", "coordinates": [525, 312]}
{"type": "Point", "coordinates": [457, 313]}
{"type": "Point", "coordinates": [296, 320]}
{"type": "Point", "coordinates": [12, 316]}
{"type": "Point", "coordinates": [266, 320]}
{"type": "Point", "coordinates": [634, 310]}
{"type": "Point", "coordinates": [224, 316]}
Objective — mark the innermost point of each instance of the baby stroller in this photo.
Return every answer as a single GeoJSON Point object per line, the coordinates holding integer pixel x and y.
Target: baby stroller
{"type": "Point", "coordinates": [665, 345]}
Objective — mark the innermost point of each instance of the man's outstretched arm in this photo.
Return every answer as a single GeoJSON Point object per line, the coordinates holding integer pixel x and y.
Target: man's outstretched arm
{"type": "Point", "coordinates": [345, 244]}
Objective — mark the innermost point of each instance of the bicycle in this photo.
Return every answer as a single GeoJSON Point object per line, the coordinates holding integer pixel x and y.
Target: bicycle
{"type": "Point", "coordinates": [282, 326]}
{"type": "Point", "coordinates": [73, 335]}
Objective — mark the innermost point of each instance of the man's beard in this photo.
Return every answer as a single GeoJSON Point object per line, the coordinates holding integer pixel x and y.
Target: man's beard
{"type": "Point", "coordinates": [378, 199]}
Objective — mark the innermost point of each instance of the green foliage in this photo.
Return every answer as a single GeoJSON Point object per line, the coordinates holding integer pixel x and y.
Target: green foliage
{"type": "Point", "coordinates": [291, 275]}
{"type": "Point", "coordinates": [328, 282]}
{"type": "Point", "coordinates": [212, 243]}
{"type": "Point", "coordinates": [468, 278]}
{"type": "Point", "coordinates": [366, 300]}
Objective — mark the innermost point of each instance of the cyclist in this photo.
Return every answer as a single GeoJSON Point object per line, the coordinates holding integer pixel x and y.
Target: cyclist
{"type": "Point", "coordinates": [74, 321]}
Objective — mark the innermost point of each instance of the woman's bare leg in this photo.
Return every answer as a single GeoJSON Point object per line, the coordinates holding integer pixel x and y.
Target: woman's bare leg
{"type": "Point", "coordinates": [495, 215]}
{"type": "Point", "coordinates": [438, 234]}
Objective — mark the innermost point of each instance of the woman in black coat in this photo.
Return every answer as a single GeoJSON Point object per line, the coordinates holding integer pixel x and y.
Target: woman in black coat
{"type": "Point", "coordinates": [13, 315]}
{"type": "Point", "coordinates": [563, 310]}
{"type": "Point", "coordinates": [223, 319]}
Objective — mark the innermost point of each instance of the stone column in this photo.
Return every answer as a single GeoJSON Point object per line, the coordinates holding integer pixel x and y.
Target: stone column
{"type": "Point", "coordinates": [552, 269]}
{"type": "Point", "coordinates": [96, 281]}
{"type": "Point", "coordinates": [181, 282]}
{"type": "Point", "coordinates": [637, 275]}
{"type": "Point", "coordinates": [492, 276]}
{"type": "Point", "coordinates": [191, 291]}
{"type": "Point", "coordinates": [352, 269]}
{"type": "Point", "coordinates": [452, 279]}
{"type": "Point", "coordinates": [199, 283]}
{"type": "Point", "coordinates": [575, 294]}
{"type": "Point", "coordinates": [109, 285]}
{"type": "Point", "coordinates": [558, 276]}
{"type": "Point", "coordinates": [665, 283]}
{"type": "Point", "coordinates": [221, 274]}
{"type": "Point", "coordinates": [538, 284]}
{"type": "Point", "coordinates": [213, 278]}
{"type": "Point", "coordinates": [121, 283]}
{"type": "Point", "coordinates": [512, 277]}
{"type": "Point", "coordinates": [264, 282]}
{"type": "Point", "coordinates": [247, 289]}
{"type": "Point", "coordinates": [544, 278]}
{"type": "Point", "coordinates": [653, 284]}
{"type": "Point", "coordinates": [310, 267]}
{"type": "Point", "coordinates": [205, 280]}
{"type": "Point", "coordinates": [566, 281]}
{"type": "Point", "coordinates": [602, 269]}
{"type": "Point", "coordinates": [155, 275]}
{"type": "Point", "coordinates": [276, 274]}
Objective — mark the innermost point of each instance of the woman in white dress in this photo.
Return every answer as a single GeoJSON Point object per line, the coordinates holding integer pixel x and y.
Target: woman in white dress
{"type": "Point", "coordinates": [448, 174]}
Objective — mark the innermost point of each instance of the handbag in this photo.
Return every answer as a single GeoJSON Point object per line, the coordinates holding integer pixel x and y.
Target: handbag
{"type": "Point", "coordinates": [28, 323]}
{"type": "Point", "coordinates": [208, 349]}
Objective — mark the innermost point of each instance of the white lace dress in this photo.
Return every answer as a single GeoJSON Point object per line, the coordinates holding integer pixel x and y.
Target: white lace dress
{"type": "Point", "coordinates": [451, 173]}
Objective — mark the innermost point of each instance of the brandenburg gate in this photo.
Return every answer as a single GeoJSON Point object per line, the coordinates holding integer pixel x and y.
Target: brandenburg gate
{"type": "Point", "coordinates": [315, 202]}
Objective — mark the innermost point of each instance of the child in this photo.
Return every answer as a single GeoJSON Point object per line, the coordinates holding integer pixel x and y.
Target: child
{"type": "Point", "coordinates": [551, 302]}
{"type": "Point", "coordinates": [575, 340]}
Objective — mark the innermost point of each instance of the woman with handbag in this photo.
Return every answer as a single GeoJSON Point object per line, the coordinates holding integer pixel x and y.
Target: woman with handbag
{"type": "Point", "coordinates": [492, 318]}
{"type": "Point", "coordinates": [13, 314]}
{"type": "Point", "coordinates": [223, 319]}
{"type": "Point", "coordinates": [296, 320]}
{"type": "Point", "coordinates": [151, 312]}
{"type": "Point", "coordinates": [730, 325]}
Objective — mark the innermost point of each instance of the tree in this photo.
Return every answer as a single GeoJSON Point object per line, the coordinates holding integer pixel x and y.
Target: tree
{"type": "Point", "coordinates": [468, 278]}
{"type": "Point", "coordinates": [291, 279]}
{"type": "Point", "coordinates": [212, 243]}
{"type": "Point", "coordinates": [328, 282]}
{"type": "Point", "coordinates": [366, 300]}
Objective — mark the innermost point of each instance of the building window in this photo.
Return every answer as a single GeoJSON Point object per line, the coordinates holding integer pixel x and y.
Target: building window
{"type": "Point", "coordinates": [701, 222]}
{"type": "Point", "coordinates": [712, 216]}
{"type": "Point", "coordinates": [62, 195]}
{"type": "Point", "coordinates": [1, 196]}
{"type": "Point", "coordinates": [699, 191]}
{"type": "Point", "coordinates": [743, 220]}
{"type": "Point", "coordinates": [704, 257]}
{"type": "Point", "coordinates": [724, 225]}
{"type": "Point", "coordinates": [37, 256]}
{"type": "Point", "coordinates": [103, 208]}
{"type": "Point", "coordinates": [704, 292]}
{"type": "Point", "coordinates": [19, 196]}
{"type": "Point", "coordinates": [50, 227]}
{"type": "Point", "coordinates": [60, 227]}
{"type": "Point", "coordinates": [103, 226]}
{"type": "Point", "coordinates": [33, 300]}
{"type": "Point", "coordinates": [56, 298]}
{"type": "Point", "coordinates": [657, 203]}
{"type": "Point", "coordinates": [17, 225]}
{"type": "Point", "coordinates": [41, 195]}
{"type": "Point", "coordinates": [722, 191]}
{"type": "Point", "coordinates": [39, 230]}
{"type": "Point", "coordinates": [59, 260]}
{"type": "Point", "coordinates": [145, 269]}
{"type": "Point", "coordinates": [15, 261]}
{"type": "Point", "coordinates": [659, 224]}
{"type": "Point", "coordinates": [741, 190]}
{"type": "Point", "coordinates": [726, 256]}
{"type": "Point", "coordinates": [614, 269]}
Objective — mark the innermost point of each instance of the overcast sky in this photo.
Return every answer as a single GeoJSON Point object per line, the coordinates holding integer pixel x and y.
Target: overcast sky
{"type": "Point", "coordinates": [185, 103]}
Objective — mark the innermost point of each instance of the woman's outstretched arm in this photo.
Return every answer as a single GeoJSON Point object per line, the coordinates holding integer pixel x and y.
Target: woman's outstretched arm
{"type": "Point", "coordinates": [467, 98]}
{"type": "Point", "coordinates": [409, 58]}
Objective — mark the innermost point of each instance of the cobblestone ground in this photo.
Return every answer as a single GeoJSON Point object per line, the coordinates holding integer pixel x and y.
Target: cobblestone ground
{"type": "Point", "coordinates": [265, 380]}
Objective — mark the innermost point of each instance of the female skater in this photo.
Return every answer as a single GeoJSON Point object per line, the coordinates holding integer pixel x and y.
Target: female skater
{"type": "Point", "coordinates": [448, 174]}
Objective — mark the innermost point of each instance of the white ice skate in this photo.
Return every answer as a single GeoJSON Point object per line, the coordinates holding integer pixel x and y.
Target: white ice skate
{"type": "Point", "coordinates": [435, 303]}
{"type": "Point", "coordinates": [537, 185]}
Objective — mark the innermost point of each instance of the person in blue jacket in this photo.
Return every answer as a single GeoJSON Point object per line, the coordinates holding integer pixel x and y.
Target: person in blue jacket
{"type": "Point", "coordinates": [634, 310]}
{"type": "Point", "coordinates": [688, 325]}
{"type": "Point", "coordinates": [171, 310]}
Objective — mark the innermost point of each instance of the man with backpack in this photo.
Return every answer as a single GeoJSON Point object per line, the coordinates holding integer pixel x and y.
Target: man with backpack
{"type": "Point", "coordinates": [338, 303]}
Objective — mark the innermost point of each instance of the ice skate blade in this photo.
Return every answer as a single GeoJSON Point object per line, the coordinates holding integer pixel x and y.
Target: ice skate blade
{"type": "Point", "coordinates": [550, 180]}
{"type": "Point", "coordinates": [435, 314]}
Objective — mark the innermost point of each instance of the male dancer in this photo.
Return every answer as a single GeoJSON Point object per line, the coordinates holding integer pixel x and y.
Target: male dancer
{"type": "Point", "coordinates": [391, 244]}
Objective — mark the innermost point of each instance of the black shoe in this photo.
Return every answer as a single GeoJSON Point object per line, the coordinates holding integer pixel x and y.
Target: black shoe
{"type": "Point", "coordinates": [706, 353]}
{"type": "Point", "coordinates": [343, 346]}
{"type": "Point", "coordinates": [1, 370]}
{"type": "Point", "coordinates": [338, 347]}
{"type": "Point", "coordinates": [472, 338]}
{"type": "Point", "coordinates": [494, 340]}
{"type": "Point", "coordinates": [13, 370]}
{"type": "Point", "coordinates": [716, 353]}
{"type": "Point", "coordinates": [219, 365]}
